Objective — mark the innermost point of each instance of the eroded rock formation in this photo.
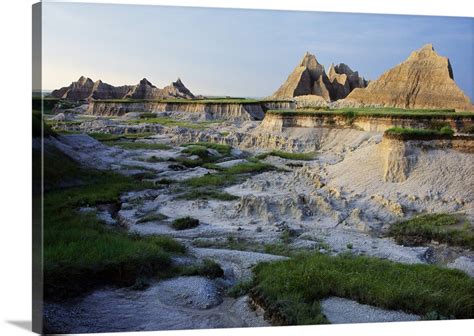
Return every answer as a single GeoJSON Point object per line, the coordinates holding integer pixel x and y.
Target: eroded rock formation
{"type": "Point", "coordinates": [86, 89]}
{"type": "Point", "coordinates": [310, 79]}
{"type": "Point", "coordinates": [424, 80]}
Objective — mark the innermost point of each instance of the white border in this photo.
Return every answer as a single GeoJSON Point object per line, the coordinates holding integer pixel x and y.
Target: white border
{"type": "Point", "coordinates": [15, 142]}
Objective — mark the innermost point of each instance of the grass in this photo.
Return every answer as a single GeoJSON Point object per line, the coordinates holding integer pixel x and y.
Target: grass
{"type": "Point", "coordinates": [395, 113]}
{"type": "Point", "coordinates": [419, 133]}
{"type": "Point", "coordinates": [197, 150]}
{"type": "Point", "coordinates": [289, 156]}
{"type": "Point", "coordinates": [140, 145]}
{"type": "Point", "coordinates": [197, 194]}
{"type": "Point", "coordinates": [207, 186]}
{"type": "Point", "coordinates": [242, 244]}
{"type": "Point", "coordinates": [208, 268]}
{"type": "Point", "coordinates": [169, 122]}
{"type": "Point", "coordinates": [185, 223]}
{"type": "Point", "coordinates": [290, 290]}
{"type": "Point", "coordinates": [80, 252]}
{"type": "Point", "coordinates": [452, 229]}
{"type": "Point", "coordinates": [228, 176]}
{"type": "Point", "coordinates": [248, 168]}
{"type": "Point", "coordinates": [104, 137]}
{"type": "Point", "coordinates": [200, 149]}
{"type": "Point", "coordinates": [239, 289]}
{"type": "Point", "coordinates": [221, 148]}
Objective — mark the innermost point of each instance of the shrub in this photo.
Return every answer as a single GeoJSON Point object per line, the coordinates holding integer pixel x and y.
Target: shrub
{"type": "Point", "coordinates": [208, 268]}
{"type": "Point", "coordinates": [185, 223]}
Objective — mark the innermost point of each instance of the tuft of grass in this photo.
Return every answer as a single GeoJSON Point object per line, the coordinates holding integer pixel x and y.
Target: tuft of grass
{"type": "Point", "coordinates": [197, 150]}
{"type": "Point", "coordinates": [290, 290]}
{"type": "Point", "coordinates": [452, 229]}
{"type": "Point", "coordinates": [208, 268]}
{"type": "Point", "coordinates": [248, 168]}
{"type": "Point", "coordinates": [221, 148]}
{"type": "Point", "coordinates": [241, 288]}
{"type": "Point", "coordinates": [209, 180]}
{"type": "Point", "coordinates": [278, 249]}
{"type": "Point", "coordinates": [289, 156]}
{"type": "Point", "coordinates": [185, 223]}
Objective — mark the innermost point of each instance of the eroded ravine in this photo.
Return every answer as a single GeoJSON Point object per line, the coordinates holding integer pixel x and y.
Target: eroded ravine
{"type": "Point", "coordinates": [329, 203]}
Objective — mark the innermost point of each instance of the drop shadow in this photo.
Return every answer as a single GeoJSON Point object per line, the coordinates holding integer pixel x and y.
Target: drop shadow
{"type": "Point", "coordinates": [22, 324]}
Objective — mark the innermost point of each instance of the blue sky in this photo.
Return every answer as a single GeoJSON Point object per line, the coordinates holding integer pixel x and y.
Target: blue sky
{"type": "Point", "coordinates": [233, 51]}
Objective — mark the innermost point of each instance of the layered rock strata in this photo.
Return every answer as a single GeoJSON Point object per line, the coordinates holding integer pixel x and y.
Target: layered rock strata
{"type": "Point", "coordinates": [424, 81]}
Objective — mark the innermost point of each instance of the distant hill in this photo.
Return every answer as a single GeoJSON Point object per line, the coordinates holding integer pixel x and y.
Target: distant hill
{"type": "Point", "coordinates": [86, 89]}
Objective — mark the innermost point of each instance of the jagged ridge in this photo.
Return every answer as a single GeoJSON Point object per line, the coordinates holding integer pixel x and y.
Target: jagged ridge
{"type": "Point", "coordinates": [86, 89]}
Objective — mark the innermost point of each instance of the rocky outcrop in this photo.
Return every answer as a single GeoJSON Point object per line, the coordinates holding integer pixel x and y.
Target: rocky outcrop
{"type": "Point", "coordinates": [87, 89]}
{"type": "Point", "coordinates": [201, 110]}
{"type": "Point", "coordinates": [398, 158]}
{"type": "Point", "coordinates": [310, 79]}
{"type": "Point", "coordinates": [344, 80]}
{"type": "Point", "coordinates": [425, 80]}
{"type": "Point", "coordinates": [276, 121]}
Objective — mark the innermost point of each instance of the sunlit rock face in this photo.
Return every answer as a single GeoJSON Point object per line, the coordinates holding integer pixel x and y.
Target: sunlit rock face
{"type": "Point", "coordinates": [424, 80]}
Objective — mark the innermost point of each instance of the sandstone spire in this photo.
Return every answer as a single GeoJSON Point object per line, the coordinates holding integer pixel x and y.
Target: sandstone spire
{"type": "Point", "coordinates": [424, 80]}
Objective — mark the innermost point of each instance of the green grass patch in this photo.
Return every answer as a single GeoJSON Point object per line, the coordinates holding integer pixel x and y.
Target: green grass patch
{"type": "Point", "coordinates": [221, 148]}
{"type": "Point", "coordinates": [140, 145]}
{"type": "Point", "coordinates": [104, 137]}
{"type": "Point", "coordinates": [291, 290]}
{"type": "Point", "coordinates": [394, 113]}
{"type": "Point", "coordinates": [80, 252]}
{"type": "Point", "coordinates": [197, 150]}
{"type": "Point", "coordinates": [289, 156]}
{"type": "Point", "coordinates": [199, 194]}
{"type": "Point", "coordinates": [419, 133]}
{"type": "Point", "coordinates": [444, 228]}
{"type": "Point", "coordinates": [185, 223]}
{"type": "Point", "coordinates": [208, 268]}
{"type": "Point", "coordinates": [169, 122]}
{"type": "Point", "coordinates": [248, 168]}
{"type": "Point", "coordinates": [208, 186]}
{"type": "Point", "coordinates": [241, 288]}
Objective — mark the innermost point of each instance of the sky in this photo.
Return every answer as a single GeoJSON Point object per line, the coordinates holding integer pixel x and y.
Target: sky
{"type": "Point", "coordinates": [235, 52]}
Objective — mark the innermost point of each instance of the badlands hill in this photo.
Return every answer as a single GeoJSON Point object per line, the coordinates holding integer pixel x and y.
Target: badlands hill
{"type": "Point", "coordinates": [87, 89]}
{"type": "Point", "coordinates": [425, 80]}
{"type": "Point", "coordinates": [310, 78]}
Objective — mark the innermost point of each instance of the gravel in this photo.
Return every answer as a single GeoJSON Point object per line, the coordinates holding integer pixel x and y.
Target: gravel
{"type": "Point", "coordinates": [339, 310]}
